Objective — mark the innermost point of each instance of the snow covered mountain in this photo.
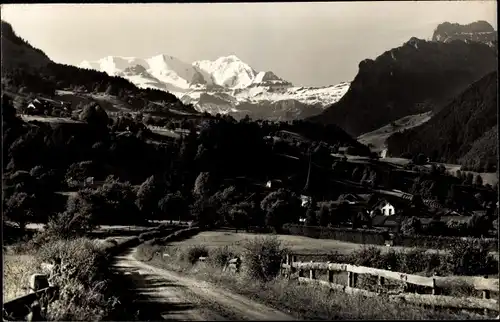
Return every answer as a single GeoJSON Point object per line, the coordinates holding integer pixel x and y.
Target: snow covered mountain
{"type": "Point", "coordinates": [226, 85]}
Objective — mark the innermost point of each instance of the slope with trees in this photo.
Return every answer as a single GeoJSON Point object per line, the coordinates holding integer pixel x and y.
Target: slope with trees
{"type": "Point", "coordinates": [463, 124]}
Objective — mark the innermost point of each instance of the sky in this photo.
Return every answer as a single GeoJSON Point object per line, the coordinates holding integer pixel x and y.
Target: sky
{"type": "Point", "coordinates": [308, 44]}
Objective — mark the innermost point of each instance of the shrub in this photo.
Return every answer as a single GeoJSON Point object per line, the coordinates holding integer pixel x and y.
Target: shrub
{"type": "Point", "coordinates": [82, 257]}
{"type": "Point", "coordinates": [470, 258]}
{"type": "Point", "coordinates": [456, 227]}
{"type": "Point", "coordinates": [81, 273]}
{"type": "Point", "coordinates": [413, 261]}
{"type": "Point", "coordinates": [146, 252]}
{"type": "Point", "coordinates": [411, 226]}
{"type": "Point", "coordinates": [368, 256]}
{"type": "Point", "coordinates": [218, 257]}
{"type": "Point", "coordinates": [192, 254]}
{"type": "Point", "coordinates": [262, 257]}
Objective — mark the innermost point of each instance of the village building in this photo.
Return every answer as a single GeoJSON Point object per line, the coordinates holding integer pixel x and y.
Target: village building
{"type": "Point", "coordinates": [274, 183]}
{"type": "Point", "coordinates": [36, 106]}
{"type": "Point", "coordinates": [386, 208]}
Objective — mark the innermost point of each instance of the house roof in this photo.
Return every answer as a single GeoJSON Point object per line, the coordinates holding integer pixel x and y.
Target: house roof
{"type": "Point", "coordinates": [355, 196]}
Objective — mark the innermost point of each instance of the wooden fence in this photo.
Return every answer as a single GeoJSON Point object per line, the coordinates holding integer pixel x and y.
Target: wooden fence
{"type": "Point", "coordinates": [29, 306]}
{"type": "Point", "coordinates": [485, 285]}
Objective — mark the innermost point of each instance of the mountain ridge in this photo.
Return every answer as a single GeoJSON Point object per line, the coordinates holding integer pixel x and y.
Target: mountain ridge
{"type": "Point", "coordinates": [417, 77]}
{"type": "Point", "coordinates": [226, 85]}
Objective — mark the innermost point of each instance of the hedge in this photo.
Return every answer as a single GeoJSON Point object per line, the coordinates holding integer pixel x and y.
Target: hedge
{"type": "Point", "coordinates": [377, 237]}
{"type": "Point", "coordinates": [440, 242]}
{"type": "Point", "coordinates": [358, 236]}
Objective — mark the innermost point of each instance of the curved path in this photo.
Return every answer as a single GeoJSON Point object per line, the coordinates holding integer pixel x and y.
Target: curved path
{"type": "Point", "coordinates": [165, 295]}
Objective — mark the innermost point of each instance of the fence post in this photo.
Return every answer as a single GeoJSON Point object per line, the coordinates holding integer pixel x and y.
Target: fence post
{"type": "Point", "coordinates": [294, 260]}
{"type": "Point", "coordinates": [349, 279]}
{"type": "Point", "coordinates": [486, 295]}
{"type": "Point", "coordinates": [312, 274]}
{"type": "Point", "coordinates": [435, 290]}
{"type": "Point", "coordinates": [381, 280]}
{"type": "Point", "coordinates": [330, 274]}
{"type": "Point", "coordinates": [35, 314]}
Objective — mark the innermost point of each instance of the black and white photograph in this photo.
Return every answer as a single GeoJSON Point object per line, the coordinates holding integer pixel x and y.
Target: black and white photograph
{"type": "Point", "coordinates": [250, 161]}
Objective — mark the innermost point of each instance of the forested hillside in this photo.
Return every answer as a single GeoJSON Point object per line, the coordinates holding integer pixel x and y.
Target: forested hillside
{"type": "Point", "coordinates": [28, 70]}
{"type": "Point", "coordinates": [464, 131]}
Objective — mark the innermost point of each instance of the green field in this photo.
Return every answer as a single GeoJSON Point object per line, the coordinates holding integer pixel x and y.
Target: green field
{"type": "Point", "coordinates": [297, 244]}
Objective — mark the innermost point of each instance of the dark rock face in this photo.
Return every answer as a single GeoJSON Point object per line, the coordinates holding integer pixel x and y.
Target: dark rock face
{"type": "Point", "coordinates": [417, 77]}
{"type": "Point", "coordinates": [480, 31]}
{"type": "Point", "coordinates": [465, 123]}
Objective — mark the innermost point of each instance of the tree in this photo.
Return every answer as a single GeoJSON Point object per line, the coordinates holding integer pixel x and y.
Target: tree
{"type": "Point", "coordinates": [239, 215]}
{"type": "Point", "coordinates": [8, 110]}
{"type": "Point", "coordinates": [173, 206]}
{"type": "Point", "coordinates": [203, 185]}
{"type": "Point", "coordinates": [80, 171]}
{"type": "Point", "coordinates": [324, 216]}
{"type": "Point", "coordinates": [281, 206]}
{"type": "Point", "coordinates": [479, 225]}
{"type": "Point", "coordinates": [204, 213]}
{"type": "Point", "coordinates": [117, 200]}
{"type": "Point", "coordinates": [94, 115]}
{"type": "Point", "coordinates": [148, 196]}
{"type": "Point", "coordinates": [416, 201]}
{"type": "Point", "coordinates": [78, 219]}
{"type": "Point", "coordinates": [478, 181]}
{"type": "Point", "coordinates": [111, 90]}
{"type": "Point", "coordinates": [18, 209]}
{"type": "Point", "coordinates": [311, 219]}
{"type": "Point", "coordinates": [468, 179]}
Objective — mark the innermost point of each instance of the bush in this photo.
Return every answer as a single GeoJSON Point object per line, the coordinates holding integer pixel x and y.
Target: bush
{"type": "Point", "coordinates": [413, 261]}
{"type": "Point", "coordinates": [81, 272]}
{"type": "Point", "coordinates": [411, 226]}
{"type": "Point", "coordinates": [146, 252]}
{"type": "Point", "coordinates": [368, 256]}
{"type": "Point", "coordinates": [218, 257]}
{"type": "Point", "coordinates": [470, 258]}
{"type": "Point", "coordinates": [83, 258]}
{"type": "Point", "coordinates": [262, 257]}
{"type": "Point", "coordinates": [192, 254]}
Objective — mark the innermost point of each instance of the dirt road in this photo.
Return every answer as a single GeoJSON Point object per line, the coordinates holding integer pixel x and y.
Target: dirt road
{"type": "Point", "coordinates": [165, 295]}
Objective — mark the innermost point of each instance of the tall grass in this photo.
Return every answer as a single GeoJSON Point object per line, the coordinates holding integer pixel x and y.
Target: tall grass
{"type": "Point", "coordinates": [17, 270]}
{"type": "Point", "coordinates": [81, 273]}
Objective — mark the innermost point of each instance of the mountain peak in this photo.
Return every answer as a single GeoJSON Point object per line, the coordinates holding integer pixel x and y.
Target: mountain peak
{"type": "Point", "coordinates": [230, 58]}
{"type": "Point", "coordinates": [479, 31]}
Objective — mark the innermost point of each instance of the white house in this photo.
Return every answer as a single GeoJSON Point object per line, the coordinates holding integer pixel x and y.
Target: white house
{"type": "Point", "coordinates": [386, 208]}
{"type": "Point", "coordinates": [275, 183]}
{"type": "Point", "coordinates": [35, 105]}
{"type": "Point", "coordinates": [305, 200]}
